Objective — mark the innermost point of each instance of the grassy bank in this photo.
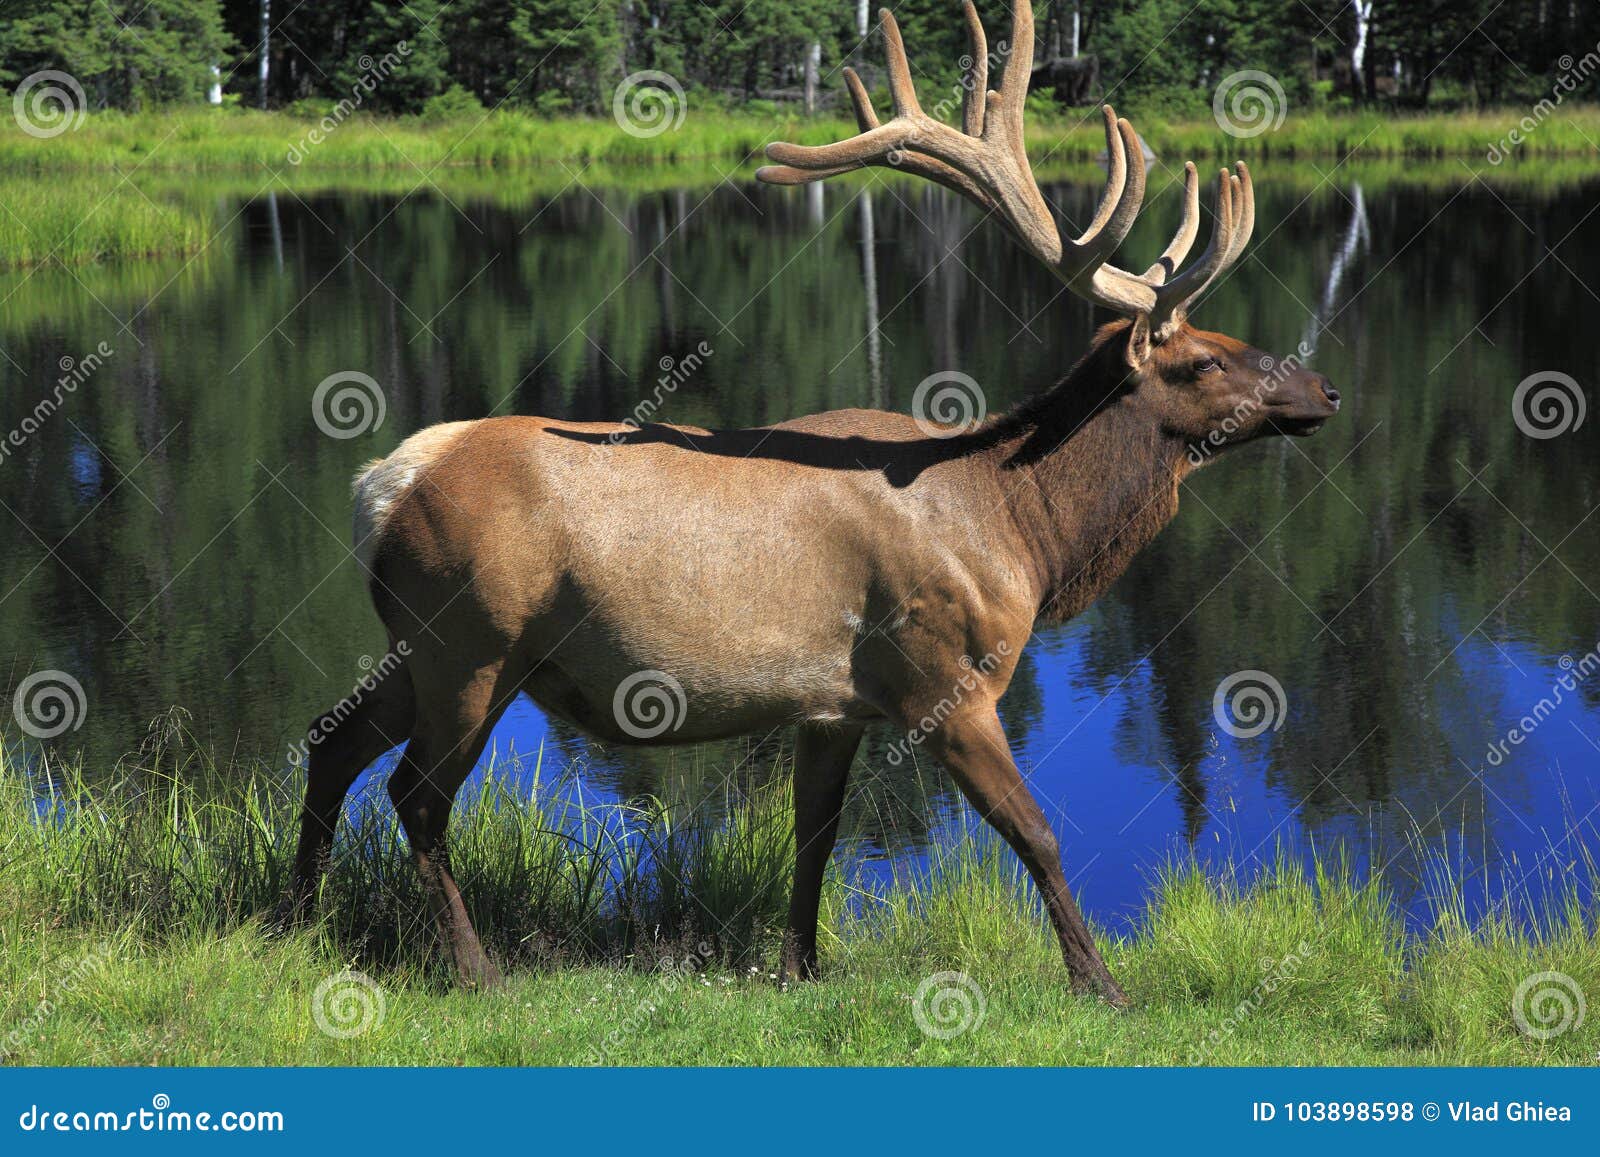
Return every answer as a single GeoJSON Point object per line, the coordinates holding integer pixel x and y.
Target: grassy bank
{"type": "Point", "coordinates": [204, 140]}
{"type": "Point", "coordinates": [123, 186]}
{"type": "Point", "coordinates": [132, 931]}
{"type": "Point", "coordinates": [76, 221]}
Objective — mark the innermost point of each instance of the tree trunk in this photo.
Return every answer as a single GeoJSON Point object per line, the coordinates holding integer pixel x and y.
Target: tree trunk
{"type": "Point", "coordinates": [1358, 47]}
{"type": "Point", "coordinates": [266, 50]}
{"type": "Point", "coordinates": [813, 66]}
{"type": "Point", "coordinates": [1370, 79]}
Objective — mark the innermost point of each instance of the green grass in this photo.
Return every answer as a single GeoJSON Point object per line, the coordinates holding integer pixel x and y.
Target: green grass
{"type": "Point", "coordinates": [1571, 131]}
{"type": "Point", "coordinates": [206, 139]}
{"type": "Point", "coordinates": [132, 931]}
{"type": "Point", "coordinates": [112, 187]}
{"type": "Point", "coordinates": [75, 220]}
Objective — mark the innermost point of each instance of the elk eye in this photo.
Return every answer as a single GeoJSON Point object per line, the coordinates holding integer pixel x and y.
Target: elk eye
{"type": "Point", "coordinates": [1207, 366]}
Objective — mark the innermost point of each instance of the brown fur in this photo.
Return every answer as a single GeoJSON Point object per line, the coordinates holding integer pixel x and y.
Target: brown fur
{"type": "Point", "coordinates": [826, 572]}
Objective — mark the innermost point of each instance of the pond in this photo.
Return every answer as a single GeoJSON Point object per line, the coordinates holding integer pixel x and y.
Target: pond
{"type": "Point", "coordinates": [1415, 588]}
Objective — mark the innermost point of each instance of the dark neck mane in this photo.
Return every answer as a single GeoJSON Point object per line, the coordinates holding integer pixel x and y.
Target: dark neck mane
{"type": "Point", "coordinates": [1091, 477]}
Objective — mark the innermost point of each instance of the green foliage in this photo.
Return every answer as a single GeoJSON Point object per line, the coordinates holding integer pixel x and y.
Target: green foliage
{"type": "Point", "coordinates": [452, 128]}
{"type": "Point", "coordinates": [396, 56]}
{"type": "Point", "coordinates": [454, 103]}
{"type": "Point", "coordinates": [649, 934]}
{"type": "Point", "coordinates": [564, 47]}
{"type": "Point", "coordinates": [1154, 56]}
{"type": "Point", "coordinates": [74, 222]}
{"type": "Point", "coordinates": [125, 53]}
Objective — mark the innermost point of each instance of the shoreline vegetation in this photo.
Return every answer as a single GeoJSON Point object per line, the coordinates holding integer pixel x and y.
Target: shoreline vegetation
{"type": "Point", "coordinates": [135, 916]}
{"type": "Point", "coordinates": [121, 186]}
{"type": "Point", "coordinates": [246, 139]}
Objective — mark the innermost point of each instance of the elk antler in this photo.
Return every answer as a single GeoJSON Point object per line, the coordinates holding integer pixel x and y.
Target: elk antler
{"type": "Point", "coordinates": [985, 161]}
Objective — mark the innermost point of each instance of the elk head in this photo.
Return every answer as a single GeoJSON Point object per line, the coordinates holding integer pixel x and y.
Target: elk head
{"type": "Point", "coordinates": [1207, 389]}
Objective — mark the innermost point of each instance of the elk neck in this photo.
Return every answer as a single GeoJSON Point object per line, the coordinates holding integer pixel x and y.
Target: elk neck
{"type": "Point", "coordinates": [1091, 476]}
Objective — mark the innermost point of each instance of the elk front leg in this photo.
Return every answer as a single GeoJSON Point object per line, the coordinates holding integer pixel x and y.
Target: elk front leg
{"type": "Point", "coordinates": [974, 750]}
{"type": "Point", "coordinates": [822, 758]}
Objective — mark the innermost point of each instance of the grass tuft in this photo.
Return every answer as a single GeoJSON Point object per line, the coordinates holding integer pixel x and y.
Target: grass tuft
{"type": "Point", "coordinates": [280, 143]}
{"type": "Point", "coordinates": [149, 891]}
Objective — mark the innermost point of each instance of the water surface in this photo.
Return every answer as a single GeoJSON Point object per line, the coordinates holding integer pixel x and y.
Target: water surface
{"type": "Point", "coordinates": [1416, 578]}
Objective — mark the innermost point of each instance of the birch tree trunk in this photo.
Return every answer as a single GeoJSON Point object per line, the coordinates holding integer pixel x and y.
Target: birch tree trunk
{"type": "Point", "coordinates": [1358, 49]}
{"type": "Point", "coordinates": [266, 50]}
{"type": "Point", "coordinates": [813, 66]}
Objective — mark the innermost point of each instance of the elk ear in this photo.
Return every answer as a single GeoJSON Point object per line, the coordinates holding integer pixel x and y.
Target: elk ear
{"type": "Point", "coordinates": [1139, 341]}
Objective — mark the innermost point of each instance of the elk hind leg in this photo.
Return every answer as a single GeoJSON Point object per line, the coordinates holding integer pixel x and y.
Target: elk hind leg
{"type": "Point", "coordinates": [341, 743]}
{"type": "Point", "coordinates": [450, 733]}
{"type": "Point", "coordinates": [822, 759]}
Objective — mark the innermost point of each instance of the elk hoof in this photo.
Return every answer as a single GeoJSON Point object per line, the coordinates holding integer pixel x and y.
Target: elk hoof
{"type": "Point", "coordinates": [1103, 987]}
{"type": "Point", "coordinates": [480, 975]}
{"type": "Point", "coordinates": [291, 915]}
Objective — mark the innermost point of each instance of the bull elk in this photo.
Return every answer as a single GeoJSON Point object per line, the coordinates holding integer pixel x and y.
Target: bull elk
{"type": "Point", "coordinates": [826, 572]}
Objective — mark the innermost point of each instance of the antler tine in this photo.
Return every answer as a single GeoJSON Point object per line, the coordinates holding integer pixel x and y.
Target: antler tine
{"type": "Point", "coordinates": [1019, 69]}
{"type": "Point", "coordinates": [1085, 266]}
{"type": "Point", "coordinates": [1245, 201]}
{"type": "Point", "coordinates": [977, 78]}
{"type": "Point", "coordinates": [986, 161]}
{"type": "Point", "coordinates": [1123, 196]}
{"type": "Point", "coordinates": [901, 89]}
{"type": "Point", "coordinates": [866, 115]}
{"type": "Point", "coordinates": [990, 169]}
{"type": "Point", "coordinates": [1188, 229]}
{"type": "Point", "coordinates": [918, 164]}
{"type": "Point", "coordinates": [1173, 298]}
{"type": "Point", "coordinates": [1116, 178]}
{"type": "Point", "coordinates": [866, 119]}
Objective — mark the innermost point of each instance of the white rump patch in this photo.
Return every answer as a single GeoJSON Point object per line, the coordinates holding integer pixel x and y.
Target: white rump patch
{"type": "Point", "coordinates": [383, 484]}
